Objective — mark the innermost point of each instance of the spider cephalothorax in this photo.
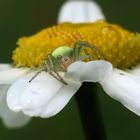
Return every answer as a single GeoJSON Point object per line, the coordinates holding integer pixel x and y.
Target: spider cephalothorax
{"type": "Point", "coordinates": [63, 56]}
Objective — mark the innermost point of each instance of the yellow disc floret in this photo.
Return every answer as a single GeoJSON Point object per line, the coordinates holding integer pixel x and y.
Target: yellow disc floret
{"type": "Point", "coordinates": [117, 45]}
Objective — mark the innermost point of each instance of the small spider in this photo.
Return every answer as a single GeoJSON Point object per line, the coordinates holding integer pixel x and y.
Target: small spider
{"type": "Point", "coordinates": [63, 56]}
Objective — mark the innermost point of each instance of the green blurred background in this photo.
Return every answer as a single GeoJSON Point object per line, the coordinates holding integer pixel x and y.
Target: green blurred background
{"type": "Point", "coordinates": [25, 17]}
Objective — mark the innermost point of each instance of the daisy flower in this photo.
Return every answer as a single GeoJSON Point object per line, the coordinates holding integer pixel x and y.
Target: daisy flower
{"type": "Point", "coordinates": [50, 66]}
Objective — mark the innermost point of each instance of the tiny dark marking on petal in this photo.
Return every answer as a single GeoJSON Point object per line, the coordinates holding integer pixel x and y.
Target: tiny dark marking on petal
{"type": "Point", "coordinates": [122, 74]}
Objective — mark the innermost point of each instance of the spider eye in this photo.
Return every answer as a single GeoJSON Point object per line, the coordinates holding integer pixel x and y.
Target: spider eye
{"type": "Point", "coordinates": [66, 59]}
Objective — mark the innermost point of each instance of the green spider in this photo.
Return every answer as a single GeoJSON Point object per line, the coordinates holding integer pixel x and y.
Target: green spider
{"type": "Point", "coordinates": [63, 56]}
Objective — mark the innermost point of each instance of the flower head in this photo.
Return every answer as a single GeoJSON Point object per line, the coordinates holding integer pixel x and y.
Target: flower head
{"type": "Point", "coordinates": [117, 45]}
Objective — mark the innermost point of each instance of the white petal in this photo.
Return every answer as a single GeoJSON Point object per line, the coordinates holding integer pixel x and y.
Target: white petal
{"type": "Point", "coordinates": [24, 95]}
{"type": "Point", "coordinates": [124, 88]}
{"type": "Point", "coordinates": [45, 96]}
{"type": "Point", "coordinates": [135, 71]}
{"type": "Point", "coordinates": [80, 11]}
{"type": "Point", "coordinates": [40, 91]}
{"type": "Point", "coordinates": [8, 74]}
{"type": "Point", "coordinates": [10, 118]}
{"type": "Point", "coordinates": [4, 66]}
{"type": "Point", "coordinates": [14, 94]}
{"type": "Point", "coordinates": [60, 100]}
{"type": "Point", "coordinates": [93, 71]}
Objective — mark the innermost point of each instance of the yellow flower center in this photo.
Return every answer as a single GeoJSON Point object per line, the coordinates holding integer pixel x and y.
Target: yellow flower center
{"type": "Point", "coordinates": [117, 45]}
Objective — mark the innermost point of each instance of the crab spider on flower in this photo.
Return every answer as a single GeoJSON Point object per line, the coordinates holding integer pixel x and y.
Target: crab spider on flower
{"type": "Point", "coordinates": [49, 90]}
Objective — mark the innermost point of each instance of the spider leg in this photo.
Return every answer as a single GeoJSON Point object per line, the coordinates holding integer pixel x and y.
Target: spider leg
{"type": "Point", "coordinates": [52, 69]}
{"type": "Point", "coordinates": [58, 77]}
{"type": "Point", "coordinates": [35, 75]}
{"type": "Point", "coordinates": [86, 44]}
{"type": "Point", "coordinates": [85, 57]}
{"type": "Point", "coordinates": [56, 63]}
{"type": "Point", "coordinates": [77, 50]}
